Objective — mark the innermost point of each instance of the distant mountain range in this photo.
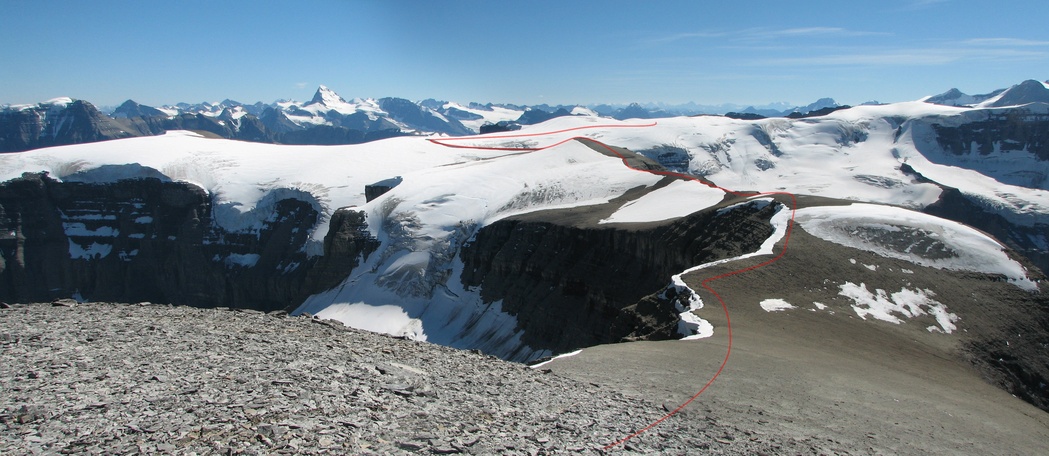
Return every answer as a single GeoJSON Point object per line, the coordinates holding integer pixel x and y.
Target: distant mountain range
{"type": "Point", "coordinates": [329, 119]}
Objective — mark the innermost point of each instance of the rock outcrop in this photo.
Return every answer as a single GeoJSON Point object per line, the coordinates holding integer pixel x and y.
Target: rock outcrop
{"type": "Point", "coordinates": [572, 286]}
{"type": "Point", "coordinates": [1015, 130]}
{"type": "Point", "coordinates": [569, 284]}
{"type": "Point", "coordinates": [346, 246]}
{"type": "Point", "coordinates": [145, 240]}
{"type": "Point", "coordinates": [1028, 240]}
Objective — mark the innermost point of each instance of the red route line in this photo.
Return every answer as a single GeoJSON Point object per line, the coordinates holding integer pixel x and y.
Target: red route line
{"type": "Point", "coordinates": [706, 282]}
{"type": "Point", "coordinates": [444, 141]}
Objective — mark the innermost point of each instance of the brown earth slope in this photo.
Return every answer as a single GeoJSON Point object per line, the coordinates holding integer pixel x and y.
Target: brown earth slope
{"type": "Point", "coordinates": [830, 377]}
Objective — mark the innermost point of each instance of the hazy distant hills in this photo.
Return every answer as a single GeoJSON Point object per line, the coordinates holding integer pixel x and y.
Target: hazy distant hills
{"type": "Point", "coordinates": [330, 119]}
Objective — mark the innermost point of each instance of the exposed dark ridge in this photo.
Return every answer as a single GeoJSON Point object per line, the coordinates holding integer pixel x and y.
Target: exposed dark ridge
{"type": "Point", "coordinates": [577, 286]}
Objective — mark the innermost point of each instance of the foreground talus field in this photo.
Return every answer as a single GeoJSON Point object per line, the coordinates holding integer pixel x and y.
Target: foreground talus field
{"type": "Point", "coordinates": [150, 379]}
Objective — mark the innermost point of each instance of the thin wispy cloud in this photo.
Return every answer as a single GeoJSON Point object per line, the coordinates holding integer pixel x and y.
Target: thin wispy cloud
{"type": "Point", "coordinates": [922, 4]}
{"type": "Point", "coordinates": [932, 56]}
{"type": "Point", "coordinates": [763, 34]}
{"type": "Point", "coordinates": [1005, 42]}
{"type": "Point", "coordinates": [831, 47]}
{"type": "Point", "coordinates": [884, 58]}
{"type": "Point", "coordinates": [810, 31]}
{"type": "Point", "coordinates": [804, 32]}
{"type": "Point", "coordinates": [683, 36]}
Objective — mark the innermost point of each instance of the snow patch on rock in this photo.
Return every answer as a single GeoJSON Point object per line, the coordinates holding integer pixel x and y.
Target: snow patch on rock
{"type": "Point", "coordinates": [894, 307]}
{"type": "Point", "coordinates": [776, 305]}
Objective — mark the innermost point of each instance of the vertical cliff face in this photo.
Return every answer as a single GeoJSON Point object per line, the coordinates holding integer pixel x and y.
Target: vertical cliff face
{"type": "Point", "coordinates": [576, 286]}
{"type": "Point", "coordinates": [346, 245]}
{"type": "Point", "coordinates": [568, 282]}
{"type": "Point", "coordinates": [1013, 130]}
{"type": "Point", "coordinates": [145, 240]}
{"type": "Point", "coordinates": [1010, 145]}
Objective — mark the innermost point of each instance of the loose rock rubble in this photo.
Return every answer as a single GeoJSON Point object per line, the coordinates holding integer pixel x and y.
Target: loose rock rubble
{"type": "Point", "coordinates": [143, 378]}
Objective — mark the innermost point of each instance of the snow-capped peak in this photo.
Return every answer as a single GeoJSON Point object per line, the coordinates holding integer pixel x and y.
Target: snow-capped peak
{"type": "Point", "coordinates": [584, 111]}
{"type": "Point", "coordinates": [327, 97]}
{"type": "Point", "coordinates": [62, 101]}
{"type": "Point", "coordinates": [1029, 91]}
{"type": "Point", "coordinates": [953, 97]}
{"type": "Point", "coordinates": [59, 103]}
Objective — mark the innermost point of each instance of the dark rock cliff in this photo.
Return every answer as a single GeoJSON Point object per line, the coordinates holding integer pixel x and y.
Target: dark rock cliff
{"type": "Point", "coordinates": [145, 240]}
{"type": "Point", "coordinates": [577, 286]}
{"type": "Point", "coordinates": [1012, 130]}
{"type": "Point", "coordinates": [570, 283]}
{"type": "Point", "coordinates": [534, 116]}
{"type": "Point", "coordinates": [347, 244]}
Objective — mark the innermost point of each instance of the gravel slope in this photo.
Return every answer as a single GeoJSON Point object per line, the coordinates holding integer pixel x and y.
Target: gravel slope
{"type": "Point", "coordinates": [825, 375]}
{"type": "Point", "coordinates": [116, 378]}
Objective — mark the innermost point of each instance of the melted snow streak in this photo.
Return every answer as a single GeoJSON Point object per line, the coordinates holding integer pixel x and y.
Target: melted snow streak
{"type": "Point", "coordinates": [912, 236]}
{"type": "Point", "coordinates": [566, 355]}
{"type": "Point", "coordinates": [691, 326]}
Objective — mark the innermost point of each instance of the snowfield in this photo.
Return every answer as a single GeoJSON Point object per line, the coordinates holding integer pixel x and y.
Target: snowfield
{"type": "Point", "coordinates": [912, 236]}
{"type": "Point", "coordinates": [494, 115]}
{"type": "Point", "coordinates": [244, 179]}
{"type": "Point", "coordinates": [452, 187]}
{"type": "Point", "coordinates": [424, 221]}
{"type": "Point", "coordinates": [676, 200]}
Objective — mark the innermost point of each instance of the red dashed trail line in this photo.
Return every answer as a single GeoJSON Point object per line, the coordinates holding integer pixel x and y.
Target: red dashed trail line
{"type": "Point", "coordinates": [452, 142]}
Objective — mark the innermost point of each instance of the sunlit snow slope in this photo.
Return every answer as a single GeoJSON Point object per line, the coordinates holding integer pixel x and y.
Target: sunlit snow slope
{"type": "Point", "coordinates": [411, 285]}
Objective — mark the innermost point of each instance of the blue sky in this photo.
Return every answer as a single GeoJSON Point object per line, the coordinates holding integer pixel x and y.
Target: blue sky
{"type": "Point", "coordinates": [565, 51]}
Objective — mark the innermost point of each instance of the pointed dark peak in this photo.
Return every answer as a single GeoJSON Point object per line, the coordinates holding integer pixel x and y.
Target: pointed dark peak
{"type": "Point", "coordinates": [129, 104]}
{"type": "Point", "coordinates": [326, 96]}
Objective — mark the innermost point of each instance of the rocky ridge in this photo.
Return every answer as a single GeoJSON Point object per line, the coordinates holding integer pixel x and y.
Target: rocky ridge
{"type": "Point", "coordinates": [142, 378]}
